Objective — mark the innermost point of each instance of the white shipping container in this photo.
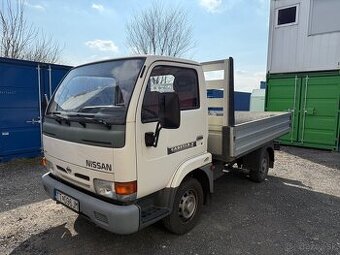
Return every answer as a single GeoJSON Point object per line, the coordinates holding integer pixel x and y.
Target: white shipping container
{"type": "Point", "coordinates": [304, 35]}
{"type": "Point", "coordinates": [257, 100]}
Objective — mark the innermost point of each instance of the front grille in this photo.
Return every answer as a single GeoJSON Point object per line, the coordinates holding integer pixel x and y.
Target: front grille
{"type": "Point", "coordinates": [61, 169]}
{"type": "Point", "coordinates": [85, 177]}
{"type": "Point", "coordinates": [78, 175]}
{"type": "Point", "coordinates": [76, 182]}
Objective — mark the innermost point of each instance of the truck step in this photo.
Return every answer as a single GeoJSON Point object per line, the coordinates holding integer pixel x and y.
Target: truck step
{"type": "Point", "coordinates": [152, 213]}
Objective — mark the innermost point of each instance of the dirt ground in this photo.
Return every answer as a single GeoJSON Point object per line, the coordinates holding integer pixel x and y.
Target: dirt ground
{"type": "Point", "coordinates": [296, 211]}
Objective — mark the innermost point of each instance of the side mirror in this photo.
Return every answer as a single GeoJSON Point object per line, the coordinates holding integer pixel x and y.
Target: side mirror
{"type": "Point", "coordinates": [169, 114]}
{"type": "Point", "coordinates": [169, 110]}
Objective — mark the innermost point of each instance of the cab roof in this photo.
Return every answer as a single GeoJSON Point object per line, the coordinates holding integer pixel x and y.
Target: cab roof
{"type": "Point", "coordinates": [149, 59]}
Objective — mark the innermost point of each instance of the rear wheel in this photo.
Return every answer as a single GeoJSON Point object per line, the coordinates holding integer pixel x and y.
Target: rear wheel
{"type": "Point", "coordinates": [187, 207]}
{"type": "Point", "coordinates": [258, 164]}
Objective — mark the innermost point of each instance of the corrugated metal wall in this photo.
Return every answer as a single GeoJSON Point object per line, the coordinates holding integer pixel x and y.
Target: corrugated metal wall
{"type": "Point", "coordinates": [314, 100]}
{"type": "Point", "coordinates": [303, 76]}
{"type": "Point", "coordinates": [292, 48]}
{"type": "Point", "coordinates": [20, 104]}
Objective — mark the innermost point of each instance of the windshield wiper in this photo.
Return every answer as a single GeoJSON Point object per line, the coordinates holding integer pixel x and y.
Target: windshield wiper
{"type": "Point", "coordinates": [58, 118]}
{"type": "Point", "coordinates": [54, 113]}
{"type": "Point", "coordinates": [108, 125]}
{"type": "Point", "coordinates": [91, 118]}
{"type": "Point", "coordinates": [90, 109]}
{"type": "Point", "coordinates": [79, 117]}
{"type": "Point", "coordinates": [68, 118]}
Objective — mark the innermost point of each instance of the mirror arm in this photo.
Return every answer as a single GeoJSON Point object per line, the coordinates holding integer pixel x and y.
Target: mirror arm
{"type": "Point", "coordinates": [156, 136]}
{"type": "Point", "coordinates": [46, 99]}
{"type": "Point", "coordinates": [151, 138]}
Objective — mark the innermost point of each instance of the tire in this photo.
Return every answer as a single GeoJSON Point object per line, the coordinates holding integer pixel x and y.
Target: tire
{"type": "Point", "coordinates": [187, 207]}
{"type": "Point", "coordinates": [258, 164]}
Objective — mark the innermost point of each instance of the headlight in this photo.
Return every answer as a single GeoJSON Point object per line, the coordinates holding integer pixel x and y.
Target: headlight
{"type": "Point", "coordinates": [122, 191]}
{"type": "Point", "coordinates": [104, 188]}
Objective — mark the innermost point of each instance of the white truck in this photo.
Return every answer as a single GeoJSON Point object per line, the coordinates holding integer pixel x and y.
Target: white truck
{"type": "Point", "coordinates": [131, 141]}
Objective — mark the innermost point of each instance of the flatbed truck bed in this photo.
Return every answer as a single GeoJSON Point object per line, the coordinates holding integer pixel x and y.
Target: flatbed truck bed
{"type": "Point", "coordinates": [233, 134]}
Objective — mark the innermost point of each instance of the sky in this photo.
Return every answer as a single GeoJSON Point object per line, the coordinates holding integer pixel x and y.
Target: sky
{"type": "Point", "coordinates": [91, 30]}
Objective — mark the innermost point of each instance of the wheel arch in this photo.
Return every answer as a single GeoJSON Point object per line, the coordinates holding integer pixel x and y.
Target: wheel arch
{"type": "Point", "coordinates": [198, 168]}
{"type": "Point", "coordinates": [270, 151]}
{"type": "Point", "coordinates": [203, 179]}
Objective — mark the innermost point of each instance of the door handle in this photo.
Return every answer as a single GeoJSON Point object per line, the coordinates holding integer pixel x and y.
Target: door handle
{"type": "Point", "coordinates": [200, 137]}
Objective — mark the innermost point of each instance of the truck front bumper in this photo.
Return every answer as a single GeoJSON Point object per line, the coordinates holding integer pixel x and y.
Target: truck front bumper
{"type": "Point", "coordinates": [119, 219]}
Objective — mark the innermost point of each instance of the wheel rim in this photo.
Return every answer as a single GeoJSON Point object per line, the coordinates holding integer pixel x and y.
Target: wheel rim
{"type": "Point", "coordinates": [264, 166]}
{"type": "Point", "coordinates": [188, 205]}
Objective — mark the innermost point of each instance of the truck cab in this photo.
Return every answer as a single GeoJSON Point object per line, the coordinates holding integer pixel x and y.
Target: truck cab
{"type": "Point", "coordinates": [128, 142]}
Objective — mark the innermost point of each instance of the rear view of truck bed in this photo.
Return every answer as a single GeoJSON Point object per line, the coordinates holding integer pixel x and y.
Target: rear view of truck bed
{"type": "Point", "coordinates": [234, 134]}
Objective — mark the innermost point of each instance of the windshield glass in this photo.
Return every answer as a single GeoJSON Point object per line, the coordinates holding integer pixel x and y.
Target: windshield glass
{"type": "Point", "coordinates": [102, 90]}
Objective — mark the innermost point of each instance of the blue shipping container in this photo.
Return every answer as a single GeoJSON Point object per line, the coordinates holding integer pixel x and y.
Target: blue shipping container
{"type": "Point", "coordinates": [241, 99]}
{"type": "Point", "coordinates": [21, 105]}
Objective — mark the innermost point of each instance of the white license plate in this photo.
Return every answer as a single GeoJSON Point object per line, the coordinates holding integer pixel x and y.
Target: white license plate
{"type": "Point", "coordinates": [66, 200]}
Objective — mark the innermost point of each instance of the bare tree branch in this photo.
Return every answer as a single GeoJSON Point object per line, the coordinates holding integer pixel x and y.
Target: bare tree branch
{"type": "Point", "coordinates": [160, 30]}
{"type": "Point", "coordinates": [20, 39]}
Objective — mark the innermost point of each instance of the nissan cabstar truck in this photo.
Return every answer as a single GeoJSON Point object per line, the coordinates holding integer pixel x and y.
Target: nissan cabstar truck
{"type": "Point", "coordinates": [131, 141]}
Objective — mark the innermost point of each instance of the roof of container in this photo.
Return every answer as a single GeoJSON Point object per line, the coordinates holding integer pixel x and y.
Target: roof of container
{"type": "Point", "coordinates": [29, 62]}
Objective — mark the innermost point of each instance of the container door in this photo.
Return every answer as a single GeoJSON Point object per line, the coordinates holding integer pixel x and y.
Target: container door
{"type": "Point", "coordinates": [45, 91]}
{"type": "Point", "coordinates": [283, 94]}
{"type": "Point", "coordinates": [57, 74]}
{"type": "Point", "coordinates": [52, 77]}
{"type": "Point", "coordinates": [338, 137]}
{"type": "Point", "coordinates": [320, 107]}
{"type": "Point", "coordinates": [19, 111]}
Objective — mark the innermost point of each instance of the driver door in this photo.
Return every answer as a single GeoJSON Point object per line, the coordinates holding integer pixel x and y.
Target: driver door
{"type": "Point", "coordinates": [157, 165]}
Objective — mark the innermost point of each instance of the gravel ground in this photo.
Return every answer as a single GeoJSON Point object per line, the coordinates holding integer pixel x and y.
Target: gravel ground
{"type": "Point", "coordinates": [296, 211]}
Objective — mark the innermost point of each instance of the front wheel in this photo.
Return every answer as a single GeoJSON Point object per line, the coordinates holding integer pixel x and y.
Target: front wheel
{"type": "Point", "coordinates": [187, 207]}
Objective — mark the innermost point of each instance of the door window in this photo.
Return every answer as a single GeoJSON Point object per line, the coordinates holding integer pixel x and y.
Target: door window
{"type": "Point", "coordinates": [183, 81]}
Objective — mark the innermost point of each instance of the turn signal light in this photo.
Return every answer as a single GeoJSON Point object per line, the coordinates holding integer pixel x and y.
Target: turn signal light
{"type": "Point", "coordinates": [125, 188]}
{"type": "Point", "coordinates": [43, 161]}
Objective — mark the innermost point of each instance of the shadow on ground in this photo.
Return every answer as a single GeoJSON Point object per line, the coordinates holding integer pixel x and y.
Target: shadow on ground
{"type": "Point", "coordinates": [242, 218]}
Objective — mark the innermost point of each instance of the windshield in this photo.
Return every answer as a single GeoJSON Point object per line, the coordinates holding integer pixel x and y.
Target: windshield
{"type": "Point", "coordinates": [102, 90]}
